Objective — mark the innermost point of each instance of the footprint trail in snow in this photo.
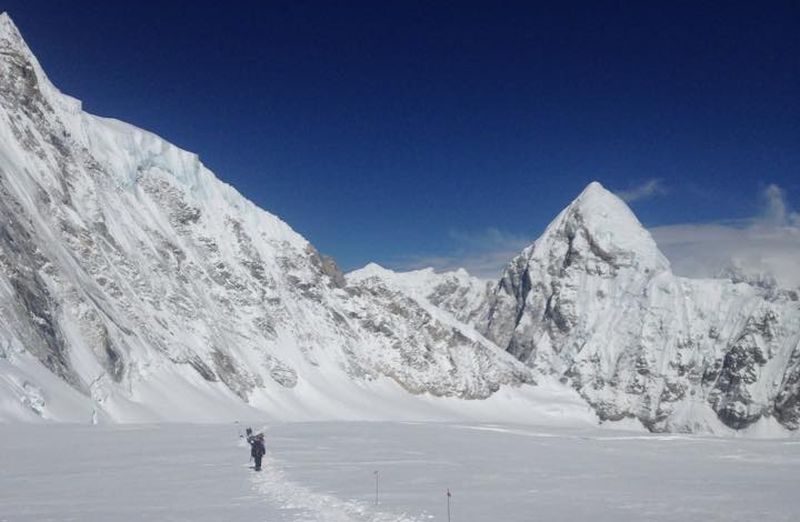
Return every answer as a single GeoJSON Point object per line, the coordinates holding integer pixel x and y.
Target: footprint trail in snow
{"type": "Point", "coordinates": [303, 504]}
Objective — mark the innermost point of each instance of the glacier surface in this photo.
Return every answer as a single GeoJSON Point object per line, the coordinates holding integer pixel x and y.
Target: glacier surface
{"type": "Point", "coordinates": [324, 471]}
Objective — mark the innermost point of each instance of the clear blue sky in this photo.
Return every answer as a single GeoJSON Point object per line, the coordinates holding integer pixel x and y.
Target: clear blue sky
{"type": "Point", "coordinates": [397, 131]}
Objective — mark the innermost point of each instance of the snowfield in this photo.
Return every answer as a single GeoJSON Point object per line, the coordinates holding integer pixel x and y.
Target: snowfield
{"type": "Point", "coordinates": [326, 472]}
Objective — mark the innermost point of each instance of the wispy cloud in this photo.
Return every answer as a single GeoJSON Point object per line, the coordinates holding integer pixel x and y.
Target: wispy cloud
{"type": "Point", "coordinates": [766, 244]}
{"type": "Point", "coordinates": [776, 210]}
{"type": "Point", "coordinates": [650, 188]}
{"type": "Point", "coordinates": [482, 253]}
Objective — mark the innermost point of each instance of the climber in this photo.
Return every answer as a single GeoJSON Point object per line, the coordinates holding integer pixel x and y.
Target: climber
{"type": "Point", "coordinates": [257, 448]}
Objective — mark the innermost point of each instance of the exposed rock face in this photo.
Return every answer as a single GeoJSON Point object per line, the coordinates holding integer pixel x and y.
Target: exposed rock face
{"type": "Point", "coordinates": [420, 305]}
{"type": "Point", "coordinates": [134, 275]}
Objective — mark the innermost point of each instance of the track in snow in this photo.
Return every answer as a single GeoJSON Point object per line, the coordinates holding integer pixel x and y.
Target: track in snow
{"type": "Point", "coordinates": [301, 503]}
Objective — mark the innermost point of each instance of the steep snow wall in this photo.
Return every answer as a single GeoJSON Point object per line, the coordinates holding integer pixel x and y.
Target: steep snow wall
{"type": "Point", "coordinates": [136, 285]}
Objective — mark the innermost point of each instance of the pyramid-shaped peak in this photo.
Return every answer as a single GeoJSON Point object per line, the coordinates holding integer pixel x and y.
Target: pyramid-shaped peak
{"type": "Point", "coordinates": [371, 269]}
{"type": "Point", "coordinates": [598, 204]}
{"type": "Point", "coordinates": [604, 224]}
{"type": "Point", "coordinates": [595, 188]}
{"type": "Point", "coordinates": [596, 197]}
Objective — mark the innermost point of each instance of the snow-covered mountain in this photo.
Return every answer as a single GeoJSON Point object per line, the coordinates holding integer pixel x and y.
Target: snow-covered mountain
{"type": "Point", "coordinates": [136, 284]}
{"type": "Point", "coordinates": [594, 303]}
{"type": "Point", "coordinates": [461, 295]}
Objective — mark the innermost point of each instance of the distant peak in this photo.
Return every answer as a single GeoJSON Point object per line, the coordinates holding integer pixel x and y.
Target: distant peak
{"type": "Point", "coordinates": [367, 271]}
{"type": "Point", "coordinates": [462, 272]}
{"type": "Point", "coordinates": [374, 267]}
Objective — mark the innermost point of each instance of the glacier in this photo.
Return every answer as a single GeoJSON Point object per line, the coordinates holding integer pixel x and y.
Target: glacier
{"type": "Point", "coordinates": [324, 471]}
{"type": "Point", "coordinates": [135, 286]}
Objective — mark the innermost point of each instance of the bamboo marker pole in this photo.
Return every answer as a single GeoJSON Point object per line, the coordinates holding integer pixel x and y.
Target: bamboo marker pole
{"type": "Point", "coordinates": [377, 476]}
{"type": "Point", "coordinates": [448, 504]}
